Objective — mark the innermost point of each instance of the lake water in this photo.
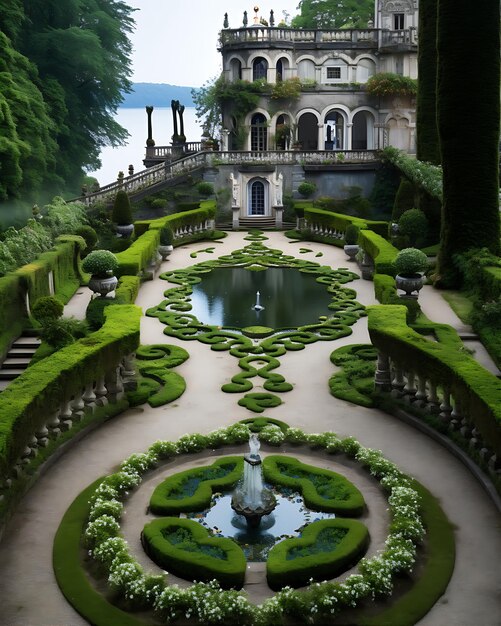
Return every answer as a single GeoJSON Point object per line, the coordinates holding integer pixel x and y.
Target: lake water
{"type": "Point", "coordinates": [136, 123]}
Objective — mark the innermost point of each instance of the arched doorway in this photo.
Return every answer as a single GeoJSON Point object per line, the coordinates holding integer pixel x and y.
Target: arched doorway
{"type": "Point", "coordinates": [363, 131]}
{"type": "Point", "coordinates": [307, 131]}
{"type": "Point", "coordinates": [282, 67]}
{"type": "Point", "coordinates": [259, 133]}
{"type": "Point", "coordinates": [334, 131]}
{"type": "Point", "coordinates": [257, 197]}
{"type": "Point", "coordinates": [259, 68]}
{"type": "Point", "coordinates": [283, 132]}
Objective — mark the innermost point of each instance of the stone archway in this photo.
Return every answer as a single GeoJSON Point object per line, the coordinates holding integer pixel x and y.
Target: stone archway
{"type": "Point", "coordinates": [335, 133]}
{"type": "Point", "coordinates": [307, 131]}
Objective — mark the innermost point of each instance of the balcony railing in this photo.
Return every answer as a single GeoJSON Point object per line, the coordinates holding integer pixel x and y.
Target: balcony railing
{"type": "Point", "coordinates": [267, 34]}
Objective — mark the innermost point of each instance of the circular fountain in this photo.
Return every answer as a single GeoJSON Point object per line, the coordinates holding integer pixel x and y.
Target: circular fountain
{"type": "Point", "coordinates": [251, 499]}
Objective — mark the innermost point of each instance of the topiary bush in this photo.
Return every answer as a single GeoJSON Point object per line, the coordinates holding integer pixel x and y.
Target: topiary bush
{"type": "Point", "coordinates": [306, 189]}
{"type": "Point", "coordinates": [410, 261]}
{"type": "Point", "coordinates": [413, 224]}
{"type": "Point", "coordinates": [404, 199]}
{"type": "Point", "coordinates": [325, 549]}
{"type": "Point", "coordinates": [46, 309]}
{"type": "Point", "coordinates": [205, 189]}
{"type": "Point", "coordinates": [351, 234]}
{"type": "Point", "coordinates": [122, 211]}
{"type": "Point", "coordinates": [102, 263]}
{"type": "Point", "coordinates": [89, 235]}
{"type": "Point", "coordinates": [166, 236]}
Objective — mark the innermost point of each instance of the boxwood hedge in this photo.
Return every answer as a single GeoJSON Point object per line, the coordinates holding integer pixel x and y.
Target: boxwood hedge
{"type": "Point", "coordinates": [294, 562]}
{"type": "Point", "coordinates": [186, 548]}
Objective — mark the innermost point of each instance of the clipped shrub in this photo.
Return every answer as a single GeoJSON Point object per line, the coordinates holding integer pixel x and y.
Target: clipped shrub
{"type": "Point", "coordinates": [322, 489]}
{"type": "Point", "coordinates": [63, 331]}
{"type": "Point", "coordinates": [404, 199]}
{"type": "Point", "coordinates": [205, 189]}
{"type": "Point", "coordinates": [159, 203]}
{"type": "Point", "coordinates": [414, 225]}
{"type": "Point", "coordinates": [166, 236]}
{"type": "Point", "coordinates": [351, 234]}
{"type": "Point", "coordinates": [89, 235]}
{"type": "Point", "coordinates": [46, 309]}
{"type": "Point", "coordinates": [192, 490]}
{"type": "Point", "coordinates": [411, 261]}
{"type": "Point", "coordinates": [326, 549]}
{"type": "Point", "coordinates": [122, 211]}
{"type": "Point", "coordinates": [306, 189]}
{"type": "Point", "coordinates": [185, 548]}
{"type": "Point", "coordinates": [102, 263]}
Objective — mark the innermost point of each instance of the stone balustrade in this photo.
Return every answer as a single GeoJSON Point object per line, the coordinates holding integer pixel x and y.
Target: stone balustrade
{"type": "Point", "coordinates": [263, 34]}
{"type": "Point", "coordinates": [94, 394]}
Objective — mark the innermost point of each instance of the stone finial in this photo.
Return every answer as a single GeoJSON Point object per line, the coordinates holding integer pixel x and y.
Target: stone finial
{"type": "Point", "coordinates": [226, 23]}
{"type": "Point", "coordinates": [272, 18]}
{"type": "Point", "coordinates": [245, 20]}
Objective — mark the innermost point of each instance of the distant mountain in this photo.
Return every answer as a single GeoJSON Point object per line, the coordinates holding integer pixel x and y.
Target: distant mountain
{"type": "Point", "coordinates": [156, 94]}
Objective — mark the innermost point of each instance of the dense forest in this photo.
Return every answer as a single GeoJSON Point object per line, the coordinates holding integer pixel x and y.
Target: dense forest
{"type": "Point", "coordinates": [64, 66]}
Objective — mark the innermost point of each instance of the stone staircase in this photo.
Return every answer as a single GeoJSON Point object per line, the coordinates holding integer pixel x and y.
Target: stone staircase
{"type": "Point", "coordinates": [18, 357]}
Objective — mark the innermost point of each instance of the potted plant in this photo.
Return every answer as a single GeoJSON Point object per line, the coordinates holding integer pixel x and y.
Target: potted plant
{"type": "Point", "coordinates": [410, 264]}
{"type": "Point", "coordinates": [350, 240]}
{"type": "Point", "coordinates": [121, 215]}
{"type": "Point", "coordinates": [166, 238]}
{"type": "Point", "coordinates": [102, 265]}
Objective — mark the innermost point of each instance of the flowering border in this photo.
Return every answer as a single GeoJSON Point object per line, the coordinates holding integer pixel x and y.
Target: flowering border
{"type": "Point", "coordinates": [206, 602]}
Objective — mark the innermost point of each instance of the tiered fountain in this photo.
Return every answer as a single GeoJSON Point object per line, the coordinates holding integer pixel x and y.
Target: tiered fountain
{"type": "Point", "coordinates": [250, 498]}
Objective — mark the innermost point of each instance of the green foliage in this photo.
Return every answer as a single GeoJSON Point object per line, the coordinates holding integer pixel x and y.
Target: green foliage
{"type": "Point", "coordinates": [259, 402]}
{"type": "Point", "coordinates": [328, 15]}
{"type": "Point", "coordinates": [355, 381]}
{"type": "Point", "coordinates": [122, 211]}
{"type": "Point", "coordinates": [326, 549]}
{"type": "Point", "coordinates": [47, 308]}
{"type": "Point", "coordinates": [306, 189]}
{"type": "Point", "coordinates": [421, 174]}
{"type": "Point", "coordinates": [100, 263]}
{"type": "Point", "coordinates": [125, 293]}
{"type": "Point", "coordinates": [166, 236]}
{"type": "Point", "coordinates": [386, 184]}
{"type": "Point", "coordinates": [381, 251]}
{"type": "Point", "coordinates": [404, 200]}
{"type": "Point", "coordinates": [62, 332]}
{"type": "Point", "coordinates": [205, 189]}
{"type": "Point", "coordinates": [89, 235]}
{"type": "Point", "coordinates": [289, 90]}
{"type": "Point", "coordinates": [192, 490]}
{"type": "Point", "coordinates": [411, 261]}
{"type": "Point", "coordinates": [351, 234]}
{"type": "Point", "coordinates": [413, 224]}
{"type": "Point", "coordinates": [186, 548]}
{"type": "Point", "coordinates": [322, 489]}
{"type": "Point", "coordinates": [388, 84]}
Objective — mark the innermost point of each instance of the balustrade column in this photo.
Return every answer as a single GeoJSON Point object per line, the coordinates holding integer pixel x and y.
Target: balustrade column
{"type": "Point", "coordinates": [101, 392]}
{"type": "Point", "coordinates": [53, 424]}
{"type": "Point", "coordinates": [382, 379]}
{"type": "Point", "coordinates": [410, 388]}
{"type": "Point", "coordinates": [128, 372]}
{"type": "Point", "coordinates": [420, 396]}
{"type": "Point", "coordinates": [78, 406]}
{"type": "Point", "coordinates": [114, 384]}
{"type": "Point", "coordinates": [433, 401]}
{"type": "Point", "coordinates": [445, 406]}
{"type": "Point", "coordinates": [89, 398]}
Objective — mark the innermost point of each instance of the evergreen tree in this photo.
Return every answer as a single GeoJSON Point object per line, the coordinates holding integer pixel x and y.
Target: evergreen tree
{"type": "Point", "coordinates": [331, 14]}
{"type": "Point", "coordinates": [426, 113]}
{"type": "Point", "coordinates": [468, 122]}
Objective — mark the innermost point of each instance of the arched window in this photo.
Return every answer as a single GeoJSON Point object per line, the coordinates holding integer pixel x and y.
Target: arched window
{"type": "Point", "coordinates": [235, 69]}
{"type": "Point", "coordinates": [259, 133]}
{"type": "Point", "coordinates": [259, 68]}
{"type": "Point", "coordinates": [334, 131]}
{"type": "Point", "coordinates": [307, 131]}
{"type": "Point", "coordinates": [256, 198]}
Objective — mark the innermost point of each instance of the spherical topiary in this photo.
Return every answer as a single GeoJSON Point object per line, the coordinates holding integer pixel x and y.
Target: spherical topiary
{"type": "Point", "coordinates": [411, 261]}
{"type": "Point", "coordinates": [122, 212]}
{"type": "Point", "coordinates": [47, 308]}
{"type": "Point", "coordinates": [89, 235]}
{"type": "Point", "coordinates": [306, 189]}
{"type": "Point", "coordinates": [205, 189]}
{"type": "Point", "coordinates": [414, 224]}
{"type": "Point", "coordinates": [102, 263]}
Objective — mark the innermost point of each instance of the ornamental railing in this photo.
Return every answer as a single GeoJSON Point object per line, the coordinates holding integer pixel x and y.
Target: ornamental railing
{"type": "Point", "coordinates": [263, 34]}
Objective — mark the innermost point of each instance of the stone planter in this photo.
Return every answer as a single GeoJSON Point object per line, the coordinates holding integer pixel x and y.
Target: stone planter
{"type": "Point", "coordinates": [165, 251]}
{"type": "Point", "coordinates": [410, 284]}
{"type": "Point", "coordinates": [124, 230]}
{"type": "Point", "coordinates": [103, 286]}
{"type": "Point", "coordinates": [351, 249]}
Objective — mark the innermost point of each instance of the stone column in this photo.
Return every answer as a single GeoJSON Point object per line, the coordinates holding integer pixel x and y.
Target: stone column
{"type": "Point", "coordinates": [382, 379]}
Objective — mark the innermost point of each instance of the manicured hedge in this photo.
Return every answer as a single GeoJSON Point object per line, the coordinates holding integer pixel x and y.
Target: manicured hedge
{"type": "Point", "coordinates": [282, 569]}
{"type": "Point", "coordinates": [477, 390]}
{"type": "Point", "coordinates": [380, 250]}
{"type": "Point", "coordinates": [125, 293]}
{"type": "Point", "coordinates": [206, 211]}
{"type": "Point", "coordinates": [13, 315]}
{"type": "Point", "coordinates": [167, 499]}
{"type": "Point", "coordinates": [139, 255]}
{"type": "Point", "coordinates": [340, 221]}
{"type": "Point", "coordinates": [347, 499]}
{"type": "Point", "coordinates": [29, 400]}
{"type": "Point", "coordinates": [188, 559]}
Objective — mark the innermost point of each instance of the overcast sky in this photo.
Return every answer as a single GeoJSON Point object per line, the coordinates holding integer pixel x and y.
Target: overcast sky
{"type": "Point", "coordinates": [176, 41]}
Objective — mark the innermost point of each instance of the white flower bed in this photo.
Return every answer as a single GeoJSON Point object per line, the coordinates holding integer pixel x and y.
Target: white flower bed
{"type": "Point", "coordinates": [207, 602]}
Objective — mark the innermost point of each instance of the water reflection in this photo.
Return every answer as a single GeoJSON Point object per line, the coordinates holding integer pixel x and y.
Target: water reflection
{"type": "Point", "coordinates": [226, 296]}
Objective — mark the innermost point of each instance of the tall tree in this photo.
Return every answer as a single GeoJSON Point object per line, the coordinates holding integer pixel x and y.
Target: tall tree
{"type": "Point", "coordinates": [468, 111]}
{"type": "Point", "coordinates": [331, 14]}
{"type": "Point", "coordinates": [426, 113]}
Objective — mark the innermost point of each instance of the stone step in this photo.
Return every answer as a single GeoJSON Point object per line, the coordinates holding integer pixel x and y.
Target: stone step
{"type": "Point", "coordinates": [15, 362]}
{"type": "Point", "coordinates": [26, 342]}
{"type": "Point", "coordinates": [21, 352]}
{"type": "Point", "coordinates": [10, 374]}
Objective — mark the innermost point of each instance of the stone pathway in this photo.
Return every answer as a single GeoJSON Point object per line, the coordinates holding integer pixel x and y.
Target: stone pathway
{"type": "Point", "coordinates": [28, 592]}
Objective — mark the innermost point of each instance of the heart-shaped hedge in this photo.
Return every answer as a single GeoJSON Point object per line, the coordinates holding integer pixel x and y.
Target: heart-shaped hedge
{"type": "Point", "coordinates": [326, 549]}
{"type": "Point", "coordinates": [186, 549]}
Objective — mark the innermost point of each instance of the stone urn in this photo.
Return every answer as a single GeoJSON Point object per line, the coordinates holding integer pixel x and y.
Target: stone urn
{"type": "Point", "coordinates": [411, 284]}
{"type": "Point", "coordinates": [124, 230]}
{"type": "Point", "coordinates": [103, 286]}
{"type": "Point", "coordinates": [351, 249]}
{"type": "Point", "coordinates": [165, 251]}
